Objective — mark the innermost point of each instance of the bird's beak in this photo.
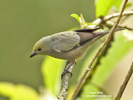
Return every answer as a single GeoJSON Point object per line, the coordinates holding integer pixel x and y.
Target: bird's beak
{"type": "Point", "coordinates": [33, 54]}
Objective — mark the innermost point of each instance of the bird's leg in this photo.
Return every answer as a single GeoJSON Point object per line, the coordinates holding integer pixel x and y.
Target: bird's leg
{"type": "Point", "coordinates": [66, 70]}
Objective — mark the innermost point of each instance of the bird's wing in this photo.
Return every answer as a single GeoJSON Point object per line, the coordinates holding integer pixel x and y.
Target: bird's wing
{"type": "Point", "coordinates": [65, 41]}
{"type": "Point", "coordinates": [87, 35]}
{"type": "Point", "coordinates": [86, 30]}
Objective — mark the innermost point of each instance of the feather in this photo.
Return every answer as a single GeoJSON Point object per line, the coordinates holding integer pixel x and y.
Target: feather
{"type": "Point", "coordinates": [86, 30]}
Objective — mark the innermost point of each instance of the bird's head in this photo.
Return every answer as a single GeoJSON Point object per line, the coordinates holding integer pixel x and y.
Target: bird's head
{"type": "Point", "coordinates": [39, 48]}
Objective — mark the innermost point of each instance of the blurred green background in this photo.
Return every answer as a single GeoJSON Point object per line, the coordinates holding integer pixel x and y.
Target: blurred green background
{"type": "Point", "coordinates": [22, 23]}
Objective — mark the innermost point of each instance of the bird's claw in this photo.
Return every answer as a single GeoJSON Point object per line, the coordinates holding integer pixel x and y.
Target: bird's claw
{"type": "Point", "coordinates": [64, 72]}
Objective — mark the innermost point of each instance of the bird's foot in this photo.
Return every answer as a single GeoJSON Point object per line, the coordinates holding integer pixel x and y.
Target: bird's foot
{"type": "Point", "coordinates": [68, 68]}
{"type": "Point", "coordinates": [66, 71]}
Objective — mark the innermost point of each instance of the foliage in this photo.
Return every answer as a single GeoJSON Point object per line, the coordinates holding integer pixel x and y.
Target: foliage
{"type": "Point", "coordinates": [51, 74]}
{"type": "Point", "coordinates": [18, 92]}
{"type": "Point", "coordinates": [118, 50]}
{"type": "Point", "coordinates": [81, 20]}
{"type": "Point", "coordinates": [104, 6]}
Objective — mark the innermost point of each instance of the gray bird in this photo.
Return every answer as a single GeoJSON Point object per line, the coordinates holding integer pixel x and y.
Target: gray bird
{"type": "Point", "coordinates": [69, 45]}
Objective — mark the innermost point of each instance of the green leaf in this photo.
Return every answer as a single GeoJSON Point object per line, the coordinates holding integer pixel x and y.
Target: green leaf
{"type": "Point", "coordinates": [80, 19]}
{"type": "Point", "coordinates": [18, 92]}
{"type": "Point", "coordinates": [76, 17]}
{"type": "Point", "coordinates": [103, 6]}
{"type": "Point", "coordinates": [117, 51]}
{"type": "Point", "coordinates": [129, 4]}
{"type": "Point", "coordinates": [117, 4]}
{"type": "Point", "coordinates": [86, 25]}
{"type": "Point", "coordinates": [51, 71]}
{"type": "Point", "coordinates": [83, 23]}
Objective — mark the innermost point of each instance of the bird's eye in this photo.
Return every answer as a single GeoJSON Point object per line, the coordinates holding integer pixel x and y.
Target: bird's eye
{"type": "Point", "coordinates": [39, 49]}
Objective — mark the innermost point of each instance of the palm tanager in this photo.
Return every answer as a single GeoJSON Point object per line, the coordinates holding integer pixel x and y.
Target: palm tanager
{"type": "Point", "coordinates": [68, 45]}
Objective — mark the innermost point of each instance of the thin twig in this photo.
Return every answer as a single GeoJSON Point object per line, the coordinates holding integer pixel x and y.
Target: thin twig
{"type": "Point", "coordinates": [100, 20]}
{"type": "Point", "coordinates": [126, 13]}
{"type": "Point", "coordinates": [123, 86]}
{"type": "Point", "coordinates": [110, 24]}
{"type": "Point", "coordinates": [125, 27]}
{"type": "Point", "coordinates": [100, 49]}
{"type": "Point", "coordinates": [64, 83]}
{"type": "Point", "coordinates": [95, 66]}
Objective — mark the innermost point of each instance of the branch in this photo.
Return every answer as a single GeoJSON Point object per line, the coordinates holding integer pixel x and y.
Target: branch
{"type": "Point", "coordinates": [65, 81]}
{"type": "Point", "coordinates": [126, 13]}
{"type": "Point", "coordinates": [100, 49]}
{"type": "Point", "coordinates": [95, 66]}
{"type": "Point", "coordinates": [110, 24]}
{"type": "Point", "coordinates": [123, 86]}
{"type": "Point", "coordinates": [100, 20]}
{"type": "Point", "coordinates": [125, 27]}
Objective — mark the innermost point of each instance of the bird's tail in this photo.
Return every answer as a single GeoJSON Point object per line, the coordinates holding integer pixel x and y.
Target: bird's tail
{"type": "Point", "coordinates": [101, 34]}
{"type": "Point", "coordinates": [107, 31]}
